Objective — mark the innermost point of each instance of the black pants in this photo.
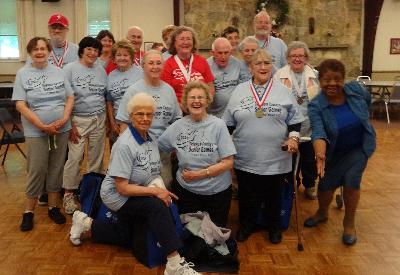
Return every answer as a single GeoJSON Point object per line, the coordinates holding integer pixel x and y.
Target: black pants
{"type": "Point", "coordinates": [216, 205]}
{"type": "Point", "coordinates": [255, 189]}
{"type": "Point", "coordinates": [149, 210]}
{"type": "Point", "coordinates": [307, 165]}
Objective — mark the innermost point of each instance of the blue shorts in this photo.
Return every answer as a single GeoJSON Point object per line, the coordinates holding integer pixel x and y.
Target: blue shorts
{"type": "Point", "coordinates": [344, 169]}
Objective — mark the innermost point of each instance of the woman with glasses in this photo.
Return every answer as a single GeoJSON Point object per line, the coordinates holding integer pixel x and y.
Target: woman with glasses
{"type": "Point", "coordinates": [264, 117]}
{"type": "Point", "coordinates": [343, 140]}
{"type": "Point", "coordinates": [168, 109]}
{"type": "Point", "coordinates": [134, 165]}
{"type": "Point", "coordinates": [205, 152]}
{"type": "Point", "coordinates": [302, 80]}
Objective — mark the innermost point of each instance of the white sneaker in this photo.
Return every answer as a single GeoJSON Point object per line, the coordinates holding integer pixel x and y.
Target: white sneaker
{"type": "Point", "coordinates": [183, 268]}
{"type": "Point", "coordinates": [69, 204]}
{"type": "Point", "coordinates": [80, 223]}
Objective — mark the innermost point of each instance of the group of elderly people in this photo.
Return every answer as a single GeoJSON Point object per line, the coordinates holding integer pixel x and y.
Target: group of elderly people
{"type": "Point", "coordinates": [258, 105]}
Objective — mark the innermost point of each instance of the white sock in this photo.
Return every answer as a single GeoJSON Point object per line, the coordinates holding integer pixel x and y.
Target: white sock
{"type": "Point", "coordinates": [174, 261]}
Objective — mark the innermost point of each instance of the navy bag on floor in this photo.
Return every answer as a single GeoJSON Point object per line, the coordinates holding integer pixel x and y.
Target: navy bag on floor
{"type": "Point", "coordinates": [143, 242]}
{"type": "Point", "coordinates": [145, 246]}
{"type": "Point", "coordinates": [286, 207]}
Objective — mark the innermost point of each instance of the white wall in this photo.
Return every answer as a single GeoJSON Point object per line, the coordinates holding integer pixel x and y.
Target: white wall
{"type": "Point", "coordinates": [150, 15]}
{"type": "Point", "coordinates": [388, 27]}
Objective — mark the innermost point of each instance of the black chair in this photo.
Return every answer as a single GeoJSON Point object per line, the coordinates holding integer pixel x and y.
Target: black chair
{"type": "Point", "coordinates": [15, 136]}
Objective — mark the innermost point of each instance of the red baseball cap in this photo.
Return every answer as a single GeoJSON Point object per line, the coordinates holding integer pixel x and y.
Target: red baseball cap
{"type": "Point", "coordinates": [58, 18]}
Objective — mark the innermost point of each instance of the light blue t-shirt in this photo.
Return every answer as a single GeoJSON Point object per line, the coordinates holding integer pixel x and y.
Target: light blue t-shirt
{"type": "Point", "coordinates": [167, 111]}
{"type": "Point", "coordinates": [225, 81]}
{"type": "Point", "coordinates": [277, 49]}
{"type": "Point", "coordinates": [246, 73]}
{"type": "Point", "coordinates": [131, 158]}
{"type": "Point", "coordinates": [45, 91]}
{"type": "Point", "coordinates": [118, 82]}
{"type": "Point", "coordinates": [89, 86]}
{"type": "Point", "coordinates": [258, 141]}
{"type": "Point", "coordinates": [199, 145]}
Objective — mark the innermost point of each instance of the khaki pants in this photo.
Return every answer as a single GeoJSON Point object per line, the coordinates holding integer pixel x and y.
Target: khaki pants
{"type": "Point", "coordinates": [92, 131]}
{"type": "Point", "coordinates": [44, 165]}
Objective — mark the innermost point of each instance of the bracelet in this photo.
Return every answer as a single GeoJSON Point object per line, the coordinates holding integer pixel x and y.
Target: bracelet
{"type": "Point", "coordinates": [320, 156]}
{"type": "Point", "coordinates": [295, 138]}
{"type": "Point", "coordinates": [208, 172]}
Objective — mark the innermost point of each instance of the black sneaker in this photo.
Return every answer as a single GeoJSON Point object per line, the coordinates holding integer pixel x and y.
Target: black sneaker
{"type": "Point", "coordinates": [56, 215]}
{"type": "Point", "coordinates": [43, 199]}
{"type": "Point", "coordinates": [27, 222]}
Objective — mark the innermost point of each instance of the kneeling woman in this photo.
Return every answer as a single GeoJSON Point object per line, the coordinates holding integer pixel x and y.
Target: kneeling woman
{"type": "Point", "coordinates": [134, 163]}
{"type": "Point", "coordinates": [205, 152]}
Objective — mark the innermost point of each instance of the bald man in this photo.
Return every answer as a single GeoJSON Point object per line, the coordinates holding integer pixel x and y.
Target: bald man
{"type": "Point", "coordinates": [275, 46]}
{"type": "Point", "coordinates": [135, 36]}
{"type": "Point", "coordinates": [226, 70]}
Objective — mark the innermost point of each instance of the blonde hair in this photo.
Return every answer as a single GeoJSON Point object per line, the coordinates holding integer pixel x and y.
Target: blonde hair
{"type": "Point", "coordinates": [195, 84]}
{"type": "Point", "coordinates": [140, 100]}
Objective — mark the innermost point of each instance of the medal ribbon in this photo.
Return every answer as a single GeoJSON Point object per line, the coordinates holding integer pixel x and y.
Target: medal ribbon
{"type": "Point", "coordinates": [138, 61]}
{"type": "Point", "coordinates": [59, 62]}
{"type": "Point", "coordinates": [265, 44]}
{"type": "Point", "coordinates": [186, 72]}
{"type": "Point", "coordinates": [298, 89]}
{"type": "Point", "coordinates": [260, 100]}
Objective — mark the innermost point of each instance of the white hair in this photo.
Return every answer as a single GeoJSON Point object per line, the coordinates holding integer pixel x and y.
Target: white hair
{"type": "Point", "coordinates": [220, 40]}
{"type": "Point", "coordinates": [134, 27]}
{"type": "Point", "coordinates": [140, 100]}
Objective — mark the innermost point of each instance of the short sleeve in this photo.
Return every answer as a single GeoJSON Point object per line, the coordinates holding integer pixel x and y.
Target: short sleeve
{"type": "Point", "coordinates": [19, 92]}
{"type": "Point", "coordinates": [122, 161]}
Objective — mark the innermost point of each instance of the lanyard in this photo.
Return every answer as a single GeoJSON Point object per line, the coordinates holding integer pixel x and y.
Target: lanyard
{"type": "Point", "coordinates": [186, 72]}
{"type": "Point", "coordinates": [298, 89]}
{"type": "Point", "coordinates": [59, 62]}
{"type": "Point", "coordinates": [260, 100]}
{"type": "Point", "coordinates": [138, 61]}
{"type": "Point", "coordinates": [265, 44]}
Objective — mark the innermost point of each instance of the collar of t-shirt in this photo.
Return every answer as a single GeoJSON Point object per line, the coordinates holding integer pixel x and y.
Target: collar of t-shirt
{"type": "Point", "coordinates": [137, 136]}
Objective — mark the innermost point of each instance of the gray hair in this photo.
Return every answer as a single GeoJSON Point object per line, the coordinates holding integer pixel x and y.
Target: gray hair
{"type": "Point", "coordinates": [248, 39]}
{"type": "Point", "coordinates": [220, 39]}
{"type": "Point", "coordinates": [141, 100]}
{"type": "Point", "coordinates": [134, 27]}
{"type": "Point", "coordinates": [298, 45]}
{"type": "Point", "coordinates": [263, 53]}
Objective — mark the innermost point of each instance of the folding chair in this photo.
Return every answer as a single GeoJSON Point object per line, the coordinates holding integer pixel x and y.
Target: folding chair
{"type": "Point", "coordinates": [15, 136]}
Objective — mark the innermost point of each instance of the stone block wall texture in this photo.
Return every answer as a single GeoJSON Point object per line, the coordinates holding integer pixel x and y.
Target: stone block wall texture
{"type": "Point", "coordinates": [337, 28]}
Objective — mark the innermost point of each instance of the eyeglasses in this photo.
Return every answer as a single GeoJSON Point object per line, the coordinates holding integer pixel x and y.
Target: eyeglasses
{"type": "Point", "coordinates": [142, 115]}
{"type": "Point", "coordinates": [294, 56]}
{"type": "Point", "coordinates": [259, 63]}
{"type": "Point", "coordinates": [193, 98]}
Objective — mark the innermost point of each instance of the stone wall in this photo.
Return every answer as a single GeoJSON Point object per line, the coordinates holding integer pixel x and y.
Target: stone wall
{"type": "Point", "coordinates": [337, 27]}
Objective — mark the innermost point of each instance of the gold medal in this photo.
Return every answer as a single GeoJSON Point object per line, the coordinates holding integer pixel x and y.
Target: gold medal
{"type": "Point", "coordinates": [259, 113]}
{"type": "Point", "coordinates": [300, 100]}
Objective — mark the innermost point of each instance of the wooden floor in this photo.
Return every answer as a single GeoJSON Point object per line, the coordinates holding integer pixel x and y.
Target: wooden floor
{"type": "Point", "coordinates": [47, 250]}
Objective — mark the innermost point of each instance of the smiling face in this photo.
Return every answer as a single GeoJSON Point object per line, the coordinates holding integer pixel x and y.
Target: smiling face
{"type": "Point", "coordinates": [123, 59]}
{"type": "Point", "coordinates": [196, 103]}
{"type": "Point", "coordinates": [184, 44]}
{"type": "Point", "coordinates": [261, 69]}
{"type": "Point", "coordinates": [39, 53]}
{"type": "Point", "coordinates": [135, 36]}
{"type": "Point", "coordinates": [141, 118]}
{"type": "Point", "coordinates": [248, 51]}
{"type": "Point", "coordinates": [89, 56]}
{"type": "Point", "coordinates": [297, 60]}
{"type": "Point", "coordinates": [107, 43]}
{"type": "Point", "coordinates": [332, 84]}
{"type": "Point", "coordinates": [153, 66]}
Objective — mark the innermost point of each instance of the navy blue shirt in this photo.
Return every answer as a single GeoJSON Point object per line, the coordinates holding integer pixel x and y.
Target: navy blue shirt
{"type": "Point", "coordinates": [350, 129]}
